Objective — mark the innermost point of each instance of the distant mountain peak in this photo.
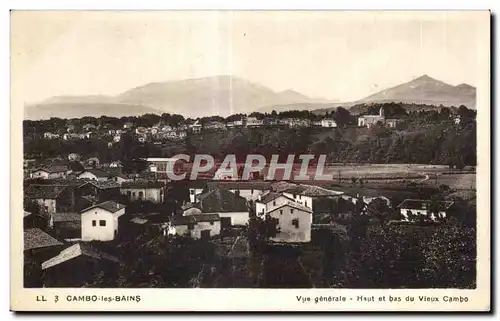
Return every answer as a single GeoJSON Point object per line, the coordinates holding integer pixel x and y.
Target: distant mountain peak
{"type": "Point", "coordinates": [424, 77]}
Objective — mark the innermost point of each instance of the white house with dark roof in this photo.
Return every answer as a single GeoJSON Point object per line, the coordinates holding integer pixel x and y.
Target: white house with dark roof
{"type": "Point", "coordinates": [50, 172]}
{"type": "Point", "coordinates": [308, 195]}
{"type": "Point", "coordinates": [232, 209]}
{"type": "Point", "coordinates": [94, 174]}
{"type": "Point", "coordinates": [196, 226]}
{"type": "Point", "coordinates": [100, 222]}
{"type": "Point", "coordinates": [425, 208]}
{"type": "Point", "coordinates": [293, 221]}
{"type": "Point", "coordinates": [153, 191]}
{"type": "Point", "coordinates": [268, 201]}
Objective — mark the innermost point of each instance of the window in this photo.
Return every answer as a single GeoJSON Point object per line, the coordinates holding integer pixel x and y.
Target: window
{"type": "Point", "coordinates": [129, 194]}
{"type": "Point", "coordinates": [141, 195]}
{"type": "Point", "coordinates": [251, 191]}
{"type": "Point", "coordinates": [94, 223]}
{"type": "Point", "coordinates": [281, 212]}
{"type": "Point", "coordinates": [211, 222]}
{"type": "Point", "coordinates": [295, 223]}
{"type": "Point", "coordinates": [291, 210]}
{"type": "Point", "coordinates": [294, 196]}
{"type": "Point", "coordinates": [191, 226]}
{"type": "Point", "coordinates": [102, 223]}
{"type": "Point", "coordinates": [300, 197]}
{"type": "Point", "coordinates": [133, 194]}
{"type": "Point", "coordinates": [192, 192]}
{"type": "Point", "coordinates": [305, 203]}
{"type": "Point", "coordinates": [274, 203]}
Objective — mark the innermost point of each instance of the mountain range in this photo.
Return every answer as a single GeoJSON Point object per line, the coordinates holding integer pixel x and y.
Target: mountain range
{"type": "Point", "coordinates": [227, 95]}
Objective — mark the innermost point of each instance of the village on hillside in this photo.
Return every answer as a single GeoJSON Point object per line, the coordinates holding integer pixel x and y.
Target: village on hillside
{"type": "Point", "coordinates": [121, 222]}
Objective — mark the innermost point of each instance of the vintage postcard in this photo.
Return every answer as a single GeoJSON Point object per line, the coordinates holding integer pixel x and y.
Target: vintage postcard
{"type": "Point", "coordinates": [250, 161]}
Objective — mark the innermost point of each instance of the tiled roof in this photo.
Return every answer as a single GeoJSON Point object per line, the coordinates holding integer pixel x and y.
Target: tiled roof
{"type": "Point", "coordinates": [312, 191]}
{"type": "Point", "coordinates": [110, 206]}
{"type": "Point", "coordinates": [52, 169]}
{"type": "Point", "coordinates": [193, 219]}
{"type": "Point", "coordinates": [221, 201]}
{"type": "Point", "coordinates": [66, 217]}
{"type": "Point", "coordinates": [294, 205]}
{"type": "Point", "coordinates": [239, 185]}
{"type": "Point", "coordinates": [97, 172]}
{"type": "Point", "coordinates": [414, 204]}
{"type": "Point", "coordinates": [271, 196]}
{"type": "Point", "coordinates": [104, 185]}
{"type": "Point", "coordinates": [143, 184]}
{"type": "Point", "coordinates": [76, 250]}
{"type": "Point", "coordinates": [35, 238]}
{"type": "Point", "coordinates": [281, 186]}
{"type": "Point", "coordinates": [37, 191]}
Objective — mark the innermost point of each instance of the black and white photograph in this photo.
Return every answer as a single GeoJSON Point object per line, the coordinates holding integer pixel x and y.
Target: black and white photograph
{"type": "Point", "coordinates": [298, 150]}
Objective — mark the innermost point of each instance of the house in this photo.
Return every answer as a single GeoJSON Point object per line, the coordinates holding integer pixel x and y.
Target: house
{"type": "Point", "coordinates": [199, 226]}
{"type": "Point", "coordinates": [35, 238]}
{"type": "Point", "coordinates": [214, 125]}
{"type": "Point", "coordinates": [270, 121]}
{"type": "Point", "coordinates": [457, 119]}
{"type": "Point", "coordinates": [195, 188]}
{"type": "Point", "coordinates": [144, 190]}
{"type": "Point", "coordinates": [92, 162]}
{"type": "Point", "coordinates": [69, 136]}
{"type": "Point", "coordinates": [94, 174]}
{"type": "Point", "coordinates": [195, 127]}
{"type": "Point", "coordinates": [371, 120]}
{"type": "Point", "coordinates": [328, 123]}
{"type": "Point", "coordinates": [31, 220]}
{"type": "Point", "coordinates": [317, 198]}
{"type": "Point", "coordinates": [247, 189]}
{"type": "Point", "coordinates": [49, 135]}
{"type": "Point", "coordinates": [253, 122]}
{"type": "Point", "coordinates": [87, 260]}
{"type": "Point", "coordinates": [100, 222]}
{"type": "Point", "coordinates": [354, 199]}
{"type": "Point", "coordinates": [393, 122]}
{"type": "Point", "coordinates": [128, 125]}
{"type": "Point", "coordinates": [268, 201]}
{"type": "Point", "coordinates": [297, 122]}
{"type": "Point", "coordinates": [67, 226]}
{"type": "Point", "coordinates": [232, 209]}
{"type": "Point", "coordinates": [115, 164]}
{"type": "Point", "coordinates": [426, 208]}
{"type": "Point", "coordinates": [50, 172]}
{"type": "Point", "coordinates": [120, 178]}
{"type": "Point", "coordinates": [293, 221]}
{"type": "Point", "coordinates": [40, 245]}
{"type": "Point", "coordinates": [50, 198]}
{"type": "Point", "coordinates": [100, 190]}
{"type": "Point", "coordinates": [89, 127]}
{"type": "Point", "coordinates": [117, 138]}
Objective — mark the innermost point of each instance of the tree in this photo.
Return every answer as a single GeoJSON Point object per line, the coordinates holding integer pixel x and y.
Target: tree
{"type": "Point", "coordinates": [342, 116]}
{"type": "Point", "coordinates": [379, 209]}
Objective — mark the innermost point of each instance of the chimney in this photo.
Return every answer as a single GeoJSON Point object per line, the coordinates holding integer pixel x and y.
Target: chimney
{"type": "Point", "coordinates": [259, 197]}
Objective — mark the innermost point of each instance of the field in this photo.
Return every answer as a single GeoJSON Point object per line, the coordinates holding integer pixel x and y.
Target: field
{"type": "Point", "coordinates": [397, 174]}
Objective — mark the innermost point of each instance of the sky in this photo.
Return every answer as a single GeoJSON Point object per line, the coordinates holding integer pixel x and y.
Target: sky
{"type": "Point", "coordinates": [341, 56]}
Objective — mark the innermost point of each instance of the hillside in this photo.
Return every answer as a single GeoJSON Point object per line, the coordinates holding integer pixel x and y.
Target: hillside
{"type": "Point", "coordinates": [221, 95]}
{"type": "Point", "coordinates": [427, 90]}
{"type": "Point", "coordinates": [218, 95]}
{"type": "Point", "coordinates": [79, 110]}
